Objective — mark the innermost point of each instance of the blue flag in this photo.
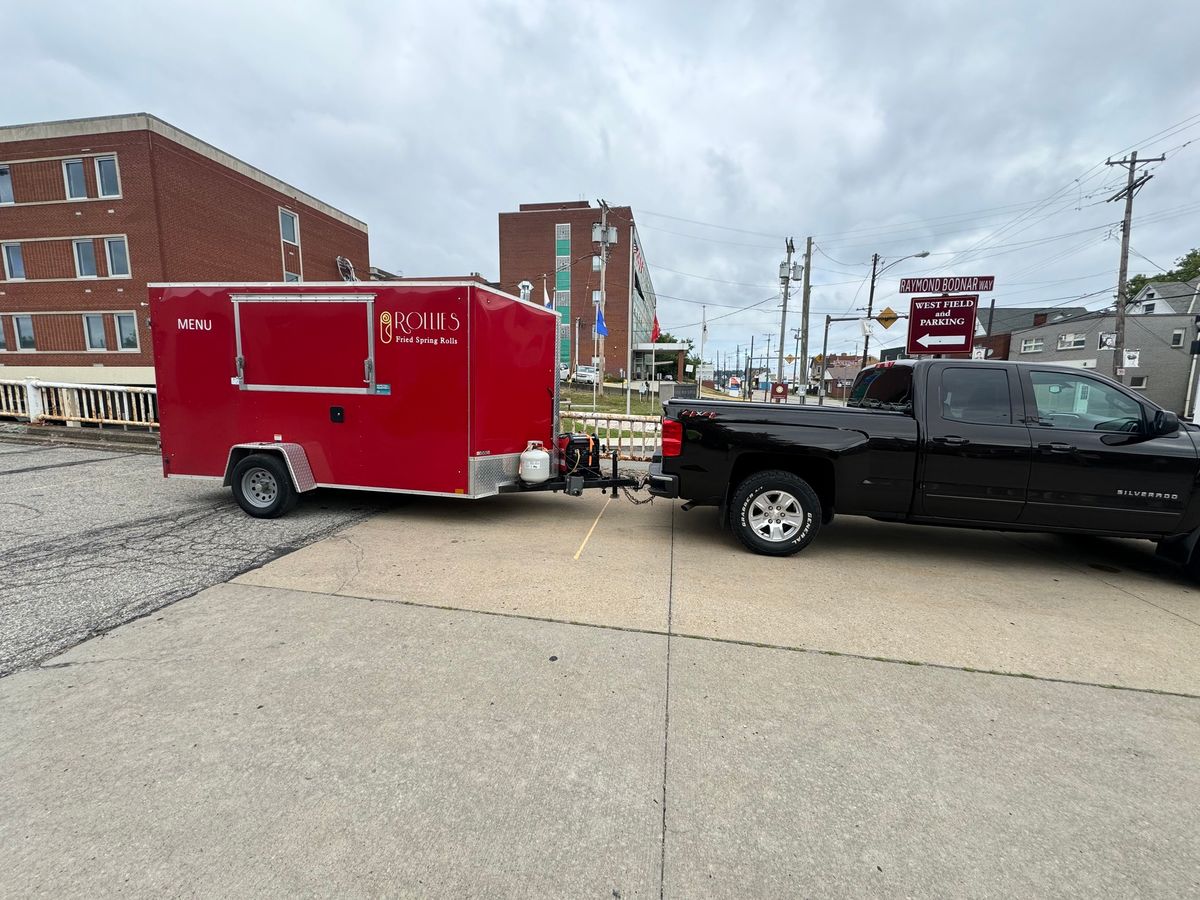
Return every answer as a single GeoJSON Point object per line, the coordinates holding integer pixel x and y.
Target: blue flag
{"type": "Point", "coordinates": [601, 328]}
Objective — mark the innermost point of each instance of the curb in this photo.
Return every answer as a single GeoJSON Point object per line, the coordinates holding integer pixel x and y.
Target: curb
{"type": "Point", "coordinates": [90, 438]}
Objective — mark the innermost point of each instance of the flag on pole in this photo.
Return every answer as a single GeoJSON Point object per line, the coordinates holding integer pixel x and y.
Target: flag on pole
{"type": "Point", "coordinates": [546, 296]}
{"type": "Point", "coordinates": [655, 332]}
{"type": "Point", "coordinates": [601, 328]}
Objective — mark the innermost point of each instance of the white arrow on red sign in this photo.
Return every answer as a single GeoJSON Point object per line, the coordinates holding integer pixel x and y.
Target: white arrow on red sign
{"type": "Point", "coordinates": [941, 340]}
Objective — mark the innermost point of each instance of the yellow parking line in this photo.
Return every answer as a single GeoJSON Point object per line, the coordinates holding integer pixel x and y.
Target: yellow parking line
{"type": "Point", "coordinates": [588, 536]}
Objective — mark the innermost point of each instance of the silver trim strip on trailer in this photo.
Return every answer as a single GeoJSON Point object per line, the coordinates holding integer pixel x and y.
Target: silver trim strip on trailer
{"type": "Point", "coordinates": [240, 358]}
{"type": "Point", "coordinates": [383, 490]}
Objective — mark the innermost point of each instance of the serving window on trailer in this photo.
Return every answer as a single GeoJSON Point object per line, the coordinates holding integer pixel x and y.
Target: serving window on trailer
{"type": "Point", "coordinates": [316, 343]}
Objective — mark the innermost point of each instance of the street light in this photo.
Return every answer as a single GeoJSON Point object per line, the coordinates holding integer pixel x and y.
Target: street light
{"type": "Point", "coordinates": [871, 295]}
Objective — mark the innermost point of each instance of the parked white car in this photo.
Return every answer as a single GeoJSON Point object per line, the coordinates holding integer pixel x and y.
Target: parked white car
{"type": "Point", "coordinates": [587, 375]}
{"type": "Point", "coordinates": [564, 372]}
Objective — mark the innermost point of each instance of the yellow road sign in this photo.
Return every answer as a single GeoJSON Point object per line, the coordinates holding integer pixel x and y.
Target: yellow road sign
{"type": "Point", "coordinates": [887, 317]}
{"type": "Point", "coordinates": [790, 358]}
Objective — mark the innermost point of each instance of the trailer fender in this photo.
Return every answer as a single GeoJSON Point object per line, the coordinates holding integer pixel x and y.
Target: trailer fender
{"type": "Point", "coordinates": [293, 455]}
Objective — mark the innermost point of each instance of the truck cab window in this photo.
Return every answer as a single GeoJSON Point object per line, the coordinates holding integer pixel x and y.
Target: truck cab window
{"type": "Point", "coordinates": [976, 395]}
{"type": "Point", "coordinates": [1083, 404]}
{"type": "Point", "coordinates": [883, 388]}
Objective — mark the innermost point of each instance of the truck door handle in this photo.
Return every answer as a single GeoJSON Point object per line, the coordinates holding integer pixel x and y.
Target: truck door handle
{"type": "Point", "coordinates": [1057, 447]}
{"type": "Point", "coordinates": [952, 440]}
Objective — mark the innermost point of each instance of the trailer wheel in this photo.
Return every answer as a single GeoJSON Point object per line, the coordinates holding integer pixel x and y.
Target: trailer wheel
{"type": "Point", "coordinates": [263, 487]}
{"type": "Point", "coordinates": [775, 513]}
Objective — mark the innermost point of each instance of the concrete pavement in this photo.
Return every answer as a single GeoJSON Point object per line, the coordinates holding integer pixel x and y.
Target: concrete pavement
{"type": "Point", "coordinates": [457, 698]}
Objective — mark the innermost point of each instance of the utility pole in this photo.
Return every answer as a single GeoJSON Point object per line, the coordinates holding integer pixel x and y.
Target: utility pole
{"type": "Point", "coordinates": [786, 275]}
{"type": "Point", "coordinates": [796, 356]}
{"type": "Point", "coordinates": [703, 335]}
{"type": "Point", "coordinates": [578, 319]}
{"type": "Point", "coordinates": [767, 365]}
{"type": "Point", "coordinates": [804, 312]}
{"type": "Point", "coordinates": [870, 309]}
{"type": "Point", "coordinates": [746, 389]}
{"type": "Point", "coordinates": [1132, 185]}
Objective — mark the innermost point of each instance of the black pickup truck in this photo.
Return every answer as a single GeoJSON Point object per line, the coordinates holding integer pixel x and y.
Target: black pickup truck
{"type": "Point", "coordinates": [977, 444]}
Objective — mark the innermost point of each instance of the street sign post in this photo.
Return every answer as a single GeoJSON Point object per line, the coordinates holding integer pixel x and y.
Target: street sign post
{"type": "Point", "coordinates": [948, 284]}
{"type": "Point", "coordinates": [942, 324]}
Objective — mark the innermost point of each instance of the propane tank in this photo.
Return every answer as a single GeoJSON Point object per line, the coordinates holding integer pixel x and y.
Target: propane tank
{"type": "Point", "coordinates": [535, 463]}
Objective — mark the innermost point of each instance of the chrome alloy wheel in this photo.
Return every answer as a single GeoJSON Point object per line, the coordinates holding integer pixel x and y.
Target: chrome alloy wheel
{"type": "Point", "coordinates": [775, 516]}
{"type": "Point", "coordinates": [259, 488]}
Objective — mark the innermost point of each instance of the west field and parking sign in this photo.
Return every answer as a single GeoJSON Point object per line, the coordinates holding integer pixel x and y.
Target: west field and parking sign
{"type": "Point", "coordinates": [942, 324]}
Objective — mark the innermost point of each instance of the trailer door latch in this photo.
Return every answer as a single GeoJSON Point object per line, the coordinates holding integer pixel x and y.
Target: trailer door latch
{"type": "Point", "coordinates": [368, 371]}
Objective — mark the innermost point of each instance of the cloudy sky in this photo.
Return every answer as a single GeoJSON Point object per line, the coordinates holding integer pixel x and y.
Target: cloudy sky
{"type": "Point", "coordinates": [975, 131]}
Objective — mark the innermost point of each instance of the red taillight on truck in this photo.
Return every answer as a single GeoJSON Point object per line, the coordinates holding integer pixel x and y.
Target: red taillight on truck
{"type": "Point", "coordinates": [672, 437]}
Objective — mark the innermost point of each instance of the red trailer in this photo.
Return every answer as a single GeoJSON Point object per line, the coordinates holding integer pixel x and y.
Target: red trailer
{"type": "Point", "coordinates": [414, 387]}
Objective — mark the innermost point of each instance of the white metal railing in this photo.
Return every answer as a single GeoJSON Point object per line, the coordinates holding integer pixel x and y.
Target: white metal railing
{"type": "Point", "coordinates": [634, 437]}
{"type": "Point", "coordinates": [92, 404]}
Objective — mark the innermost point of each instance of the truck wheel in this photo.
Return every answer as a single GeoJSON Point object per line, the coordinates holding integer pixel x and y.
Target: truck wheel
{"type": "Point", "coordinates": [263, 487]}
{"type": "Point", "coordinates": [775, 513]}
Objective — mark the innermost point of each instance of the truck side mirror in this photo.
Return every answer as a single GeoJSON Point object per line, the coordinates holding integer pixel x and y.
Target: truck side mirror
{"type": "Point", "coordinates": [1164, 423]}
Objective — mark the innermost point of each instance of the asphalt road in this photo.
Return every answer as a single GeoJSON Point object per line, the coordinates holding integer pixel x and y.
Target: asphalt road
{"type": "Point", "coordinates": [90, 539]}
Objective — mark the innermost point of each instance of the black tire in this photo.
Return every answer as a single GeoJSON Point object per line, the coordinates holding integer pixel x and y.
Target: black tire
{"type": "Point", "coordinates": [775, 503]}
{"type": "Point", "coordinates": [262, 486]}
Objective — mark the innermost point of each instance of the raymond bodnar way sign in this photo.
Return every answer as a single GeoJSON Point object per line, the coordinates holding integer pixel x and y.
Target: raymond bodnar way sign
{"type": "Point", "coordinates": [942, 324]}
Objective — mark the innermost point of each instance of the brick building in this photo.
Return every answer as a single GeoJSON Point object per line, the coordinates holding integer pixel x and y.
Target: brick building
{"type": "Point", "coordinates": [550, 245]}
{"type": "Point", "coordinates": [92, 210]}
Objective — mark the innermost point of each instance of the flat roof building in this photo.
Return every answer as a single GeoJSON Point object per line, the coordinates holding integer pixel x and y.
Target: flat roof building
{"type": "Point", "coordinates": [92, 210]}
{"type": "Point", "coordinates": [550, 245]}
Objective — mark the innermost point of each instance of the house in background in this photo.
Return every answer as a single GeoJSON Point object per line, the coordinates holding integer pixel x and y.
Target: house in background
{"type": "Point", "coordinates": [93, 210]}
{"type": "Point", "coordinates": [1162, 342]}
{"type": "Point", "coordinates": [1166, 297]}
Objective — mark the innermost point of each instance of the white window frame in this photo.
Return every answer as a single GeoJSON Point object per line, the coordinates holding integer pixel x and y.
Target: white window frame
{"type": "Point", "coordinates": [108, 256]}
{"type": "Point", "coordinates": [87, 333]}
{"type": "Point", "coordinates": [1177, 338]}
{"type": "Point", "coordinates": [1145, 379]}
{"type": "Point", "coordinates": [1147, 308]}
{"type": "Point", "coordinates": [1078, 341]}
{"type": "Point", "coordinates": [1041, 345]}
{"type": "Point", "coordinates": [137, 348]}
{"type": "Point", "coordinates": [296, 219]}
{"type": "Point", "coordinates": [292, 279]}
{"type": "Point", "coordinates": [75, 256]}
{"type": "Point", "coordinates": [67, 178]}
{"type": "Point", "coordinates": [100, 195]}
{"type": "Point", "coordinates": [17, 334]}
{"type": "Point", "coordinates": [8, 276]}
{"type": "Point", "coordinates": [13, 201]}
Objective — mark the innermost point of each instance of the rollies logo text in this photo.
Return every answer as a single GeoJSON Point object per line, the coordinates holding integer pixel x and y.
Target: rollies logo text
{"type": "Point", "coordinates": [418, 327]}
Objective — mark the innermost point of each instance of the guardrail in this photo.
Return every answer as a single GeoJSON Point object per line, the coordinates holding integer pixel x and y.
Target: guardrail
{"type": "Point", "coordinates": [101, 405]}
{"type": "Point", "coordinates": [634, 437]}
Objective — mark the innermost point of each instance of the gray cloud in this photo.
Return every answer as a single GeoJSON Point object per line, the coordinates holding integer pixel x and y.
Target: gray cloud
{"type": "Point", "coordinates": [851, 122]}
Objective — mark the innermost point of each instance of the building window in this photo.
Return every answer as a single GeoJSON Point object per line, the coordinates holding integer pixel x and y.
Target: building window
{"type": "Point", "coordinates": [117, 255]}
{"type": "Point", "coordinates": [289, 226]}
{"type": "Point", "coordinates": [290, 276]}
{"type": "Point", "coordinates": [73, 177]}
{"type": "Point", "coordinates": [1147, 308]}
{"type": "Point", "coordinates": [6, 192]}
{"type": "Point", "coordinates": [85, 259]}
{"type": "Point", "coordinates": [1177, 337]}
{"type": "Point", "coordinates": [1032, 345]}
{"type": "Point", "coordinates": [3, 339]}
{"type": "Point", "coordinates": [1072, 341]}
{"type": "Point", "coordinates": [107, 177]}
{"type": "Point", "coordinates": [14, 262]}
{"type": "Point", "coordinates": [23, 326]}
{"type": "Point", "coordinates": [1138, 382]}
{"type": "Point", "coordinates": [93, 332]}
{"type": "Point", "coordinates": [127, 336]}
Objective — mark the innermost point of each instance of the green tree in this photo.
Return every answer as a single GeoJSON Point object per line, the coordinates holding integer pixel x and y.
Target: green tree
{"type": "Point", "coordinates": [1186, 268]}
{"type": "Point", "coordinates": [665, 362]}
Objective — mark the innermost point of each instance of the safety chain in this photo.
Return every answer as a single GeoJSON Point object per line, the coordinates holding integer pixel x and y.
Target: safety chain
{"type": "Point", "coordinates": [643, 479]}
